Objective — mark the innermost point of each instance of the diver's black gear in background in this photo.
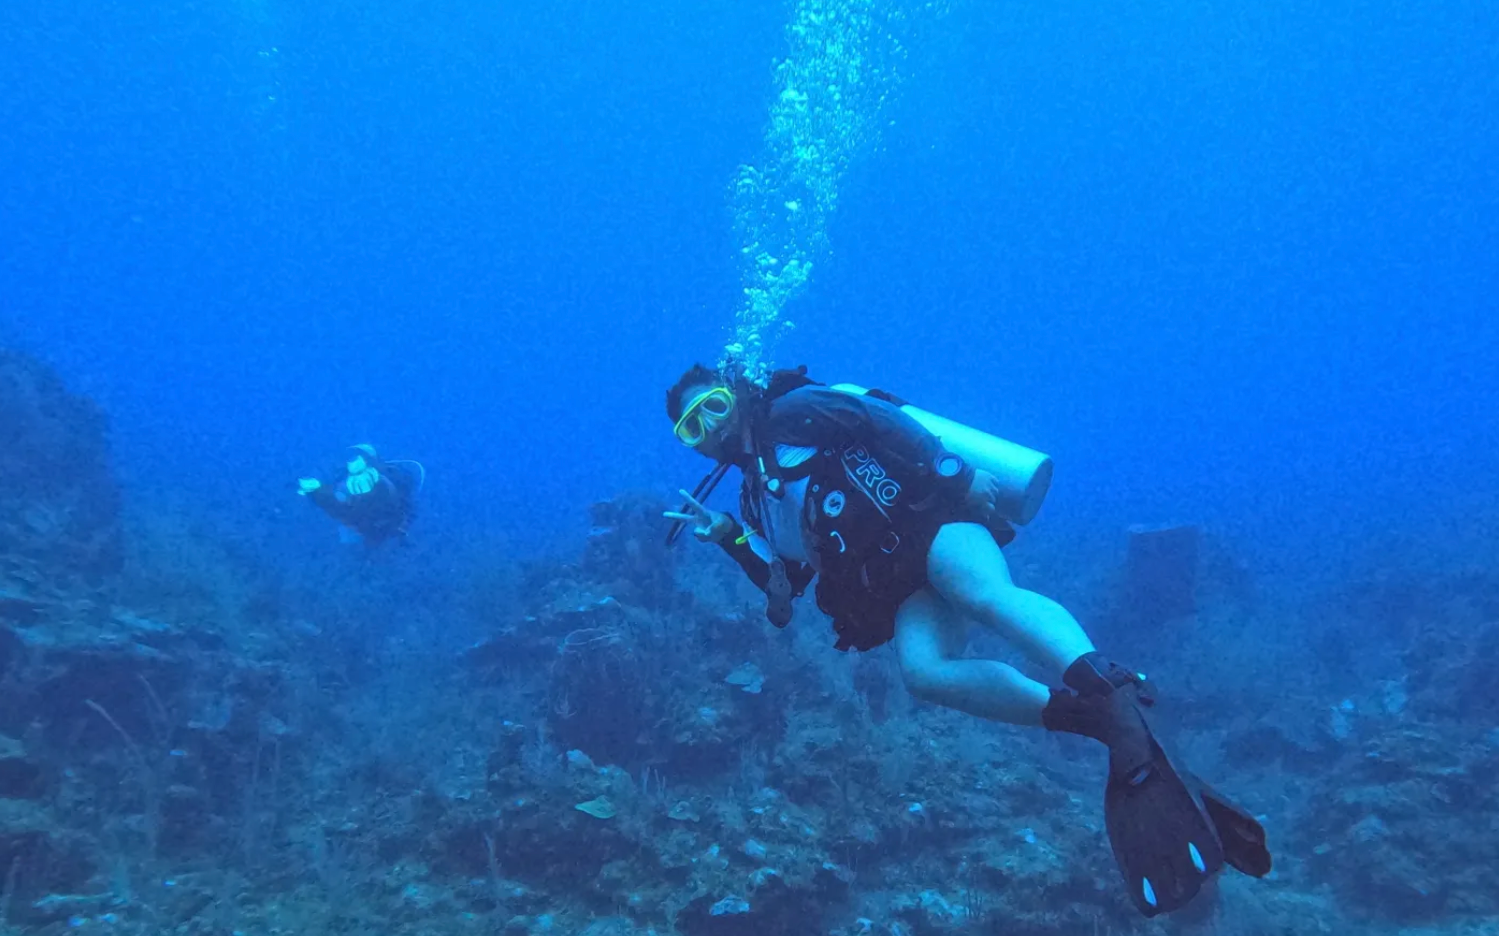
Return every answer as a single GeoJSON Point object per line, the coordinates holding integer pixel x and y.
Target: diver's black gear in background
{"type": "Point", "coordinates": [384, 513]}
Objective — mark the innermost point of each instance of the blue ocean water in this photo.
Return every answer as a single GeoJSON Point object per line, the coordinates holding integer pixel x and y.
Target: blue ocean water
{"type": "Point", "coordinates": [1228, 265]}
{"type": "Point", "coordinates": [1217, 261]}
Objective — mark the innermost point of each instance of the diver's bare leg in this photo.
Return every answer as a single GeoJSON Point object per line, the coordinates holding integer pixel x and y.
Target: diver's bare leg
{"type": "Point", "coordinates": [967, 568]}
{"type": "Point", "coordinates": [930, 636]}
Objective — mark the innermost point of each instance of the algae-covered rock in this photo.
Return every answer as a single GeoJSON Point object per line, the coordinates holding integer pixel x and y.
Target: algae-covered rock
{"type": "Point", "coordinates": [20, 776]}
{"type": "Point", "coordinates": [59, 503]}
{"type": "Point", "coordinates": [39, 857]}
{"type": "Point", "coordinates": [599, 808]}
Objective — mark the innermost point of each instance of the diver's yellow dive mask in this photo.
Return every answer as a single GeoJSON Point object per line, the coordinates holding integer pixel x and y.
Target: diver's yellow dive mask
{"type": "Point", "coordinates": [703, 415]}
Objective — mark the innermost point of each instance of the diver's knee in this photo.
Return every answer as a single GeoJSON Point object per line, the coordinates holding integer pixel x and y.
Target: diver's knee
{"type": "Point", "coordinates": [923, 687]}
{"type": "Point", "coordinates": [924, 679]}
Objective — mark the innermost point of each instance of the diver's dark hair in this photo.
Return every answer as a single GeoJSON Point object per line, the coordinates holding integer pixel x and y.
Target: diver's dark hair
{"type": "Point", "coordinates": [696, 376]}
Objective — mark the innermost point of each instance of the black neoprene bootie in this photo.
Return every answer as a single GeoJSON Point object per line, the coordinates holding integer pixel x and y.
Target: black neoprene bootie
{"type": "Point", "coordinates": [1102, 701]}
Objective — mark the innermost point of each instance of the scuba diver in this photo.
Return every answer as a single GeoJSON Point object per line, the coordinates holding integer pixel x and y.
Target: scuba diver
{"type": "Point", "coordinates": [900, 516]}
{"type": "Point", "coordinates": [375, 501]}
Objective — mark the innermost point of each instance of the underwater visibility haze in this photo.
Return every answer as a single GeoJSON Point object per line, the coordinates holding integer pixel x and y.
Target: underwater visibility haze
{"type": "Point", "coordinates": [347, 404]}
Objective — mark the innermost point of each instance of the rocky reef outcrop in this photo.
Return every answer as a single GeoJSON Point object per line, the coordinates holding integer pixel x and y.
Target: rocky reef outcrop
{"type": "Point", "coordinates": [59, 502]}
{"type": "Point", "coordinates": [630, 750]}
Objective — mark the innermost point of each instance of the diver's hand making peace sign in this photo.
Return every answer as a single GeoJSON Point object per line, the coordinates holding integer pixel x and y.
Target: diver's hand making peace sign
{"type": "Point", "coordinates": [710, 526]}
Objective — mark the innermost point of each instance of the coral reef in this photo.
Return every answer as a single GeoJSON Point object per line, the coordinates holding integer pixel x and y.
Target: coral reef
{"type": "Point", "coordinates": [630, 750]}
{"type": "Point", "coordinates": [59, 504]}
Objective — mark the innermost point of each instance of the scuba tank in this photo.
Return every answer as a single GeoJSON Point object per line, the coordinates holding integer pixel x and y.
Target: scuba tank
{"type": "Point", "coordinates": [1024, 474]}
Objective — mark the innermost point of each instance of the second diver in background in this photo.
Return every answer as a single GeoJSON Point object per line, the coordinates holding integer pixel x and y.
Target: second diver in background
{"type": "Point", "coordinates": [375, 500]}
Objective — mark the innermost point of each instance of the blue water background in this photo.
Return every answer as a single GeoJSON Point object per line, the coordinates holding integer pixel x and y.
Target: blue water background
{"type": "Point", "coordinates": [1227, 263]}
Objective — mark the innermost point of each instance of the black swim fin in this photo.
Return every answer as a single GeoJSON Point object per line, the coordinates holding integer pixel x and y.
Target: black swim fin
{"type": "Point", "coordinates": [1163, 839]}
{"type": "Point", "coordinates": [1245, 845]}
{"type": "Point", "coordinates": [1169, 831]}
